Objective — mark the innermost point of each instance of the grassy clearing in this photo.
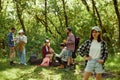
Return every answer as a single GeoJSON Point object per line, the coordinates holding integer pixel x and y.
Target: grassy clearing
{"type": "Point", "coordinates": [21, 72]}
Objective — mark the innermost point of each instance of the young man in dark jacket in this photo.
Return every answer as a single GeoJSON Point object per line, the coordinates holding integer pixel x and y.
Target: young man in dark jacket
{"type": "Point", "coordinates": [11, 45]}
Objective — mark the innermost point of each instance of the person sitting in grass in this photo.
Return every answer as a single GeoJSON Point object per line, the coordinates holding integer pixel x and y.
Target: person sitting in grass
{"type": "Point", "coordinates": [46, 61]}
{"type": "Point", "coordinates": [62, 57]}
{"type": "Point", "coordinates": [47, 50]}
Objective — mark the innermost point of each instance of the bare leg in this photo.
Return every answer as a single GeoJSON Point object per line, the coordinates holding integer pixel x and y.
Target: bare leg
{"type": "Point", "coordinates": [71, 60]}
{"type": "Point", "coordinates": [12, 53]}
{"type": "Point", "coordinates": [98, 76]}
{"type": "Point", "coordinates": [68, 63]}
{"type": "Point", "coordinates": [86, 75]}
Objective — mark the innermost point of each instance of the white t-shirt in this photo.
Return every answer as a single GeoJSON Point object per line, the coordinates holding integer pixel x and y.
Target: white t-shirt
{"type": "Point", "coordinates": [95, 49]}
{"type": "Point", "coordinates": [21, 38]}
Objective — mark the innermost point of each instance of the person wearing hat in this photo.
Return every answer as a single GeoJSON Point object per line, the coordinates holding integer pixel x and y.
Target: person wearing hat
{"type": "Point", "coordinates": [21, 41]}
{"type": "Point", "coordinates": [47, 50]}
{"type": "Point", "coordinates": [94, 50]}
{"type": "Point", "coordinates": [11, 45]}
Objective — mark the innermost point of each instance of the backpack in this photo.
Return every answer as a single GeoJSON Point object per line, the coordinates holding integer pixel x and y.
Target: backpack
{"type": "Point", "coordinates": [77, 41]}
{"type": "Point", "coordinates": [33, 60]}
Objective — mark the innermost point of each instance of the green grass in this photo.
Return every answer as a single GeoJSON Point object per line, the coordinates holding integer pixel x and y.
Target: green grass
{"type": "Point", "coordinates": [21, 72]}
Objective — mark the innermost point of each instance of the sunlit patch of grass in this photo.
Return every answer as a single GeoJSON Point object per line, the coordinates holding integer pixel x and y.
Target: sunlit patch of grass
{"type": "Point", "coordinates": [21, 72]}
{"type": "Point", "coordinates": [49, 74]}
{"type": "Point", "coordinates": [9, 74]}
{"type": "Point", "coordinates": [14, 73]}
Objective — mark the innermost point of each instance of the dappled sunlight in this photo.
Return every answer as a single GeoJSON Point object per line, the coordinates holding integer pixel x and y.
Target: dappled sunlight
{"type": "Point", "coordinates": [29, 72]}
{"type": "Point", "coordinates": [50, 74]}
{"type": "Point", "coordinates": [10, 73]}
{"type": "Point", "coordinates": [15, 72]}
{"type": "Point", "coordinates": [112, 64]}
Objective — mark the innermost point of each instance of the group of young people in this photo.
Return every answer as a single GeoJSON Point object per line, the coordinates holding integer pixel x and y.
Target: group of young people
{"type": "Point", "coordinates": [21, 40]}
{"type": "Point", "coordinates": [65, 57]}
{"type": "Point", "coordinates": [94, 51]}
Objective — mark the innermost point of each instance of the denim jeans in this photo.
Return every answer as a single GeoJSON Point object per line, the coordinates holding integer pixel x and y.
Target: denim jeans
{"type": "Point", "coordinates": [94, 66]}
{"type": "Point", "coordinates": [69, 53]}
{"type": "Point", "coordinates": [22, 56]}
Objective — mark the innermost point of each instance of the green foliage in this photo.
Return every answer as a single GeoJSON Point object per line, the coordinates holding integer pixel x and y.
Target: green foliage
{"type": "Point", "coordinates": [79, 19]}
{"type": "Point", "coordinates": [33, 16]}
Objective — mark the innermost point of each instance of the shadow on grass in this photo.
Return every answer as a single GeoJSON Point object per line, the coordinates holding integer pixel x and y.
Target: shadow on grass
{"type": "Point", "coordinates": [21, 72]}
{"type": "Point", "coordinates": [52, 73]}
{"type": "Point", "coordinates": [4, 65]}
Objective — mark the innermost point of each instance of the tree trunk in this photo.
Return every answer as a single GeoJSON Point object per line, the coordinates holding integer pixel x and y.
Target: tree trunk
{"type": "Point", "coordinates": [46, 23]}
{"type": "Point", "coordinates": [0, 6]}
{"type": "Point", "coordinates": [118, 17]}
{"type": "Point", "coordinates": [94, 16]}
{"type": "Point", "coordinates": [65, 14]}
{"type": "Point", "coordinates": [19, 13]}
{"type": "Point", "coordinates": [98, 15]}
{"type": "Point", "coordinates": [85, 3]}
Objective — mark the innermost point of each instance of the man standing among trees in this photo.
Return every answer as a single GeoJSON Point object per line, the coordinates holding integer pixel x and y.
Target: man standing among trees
{"type": "Point", "coordinates": [70, 44]}
{"type": "Point", "coordinates": [11, 45]}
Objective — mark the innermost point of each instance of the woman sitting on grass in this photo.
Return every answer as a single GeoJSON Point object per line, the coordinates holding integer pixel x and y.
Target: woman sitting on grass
{"type": "Point", "coordinates": [47, 51]}
{"type": "Point", "coordinates": [45, 61]}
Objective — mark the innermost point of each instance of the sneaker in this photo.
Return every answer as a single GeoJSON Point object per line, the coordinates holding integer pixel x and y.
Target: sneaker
{"type": "Point", "coordinates": [61, 66]}
{"type": "Point", "coordinates": [25, 64]}
{"type": "Point", "coordinates": [72, 67]}
{"type": "Point", "coordinates": [19, 63]}
{"type": "Point", "coordinates": [67, 68]}
{"type": "Point", "coordinates": [12, 63]}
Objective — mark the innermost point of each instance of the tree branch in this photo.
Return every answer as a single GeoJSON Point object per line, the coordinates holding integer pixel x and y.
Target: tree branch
{"type": "Point", "coordinates": [85, 3]}
{"type": "Point", "coordinates": [65, 14]}
{"type": "Point", "coordinates": [118, 16]}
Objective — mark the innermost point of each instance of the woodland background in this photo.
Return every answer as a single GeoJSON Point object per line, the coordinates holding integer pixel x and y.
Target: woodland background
{"type": "Point", "coordinates": [41, 19]}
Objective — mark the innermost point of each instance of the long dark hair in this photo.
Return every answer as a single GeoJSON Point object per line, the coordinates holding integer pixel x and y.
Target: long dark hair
{"type": "Point", "coordinates": [99, 37]}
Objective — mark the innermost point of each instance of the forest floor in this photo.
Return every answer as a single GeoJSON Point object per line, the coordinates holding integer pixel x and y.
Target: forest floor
{"type": "Point", "coordinates": [28, 72]}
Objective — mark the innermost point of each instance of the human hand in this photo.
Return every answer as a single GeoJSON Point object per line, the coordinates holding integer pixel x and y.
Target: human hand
{"type": "Point", "coordinates": [12, 48]}
{"type": "Point", "coordinates": [64, 41]}
{"type": "Point", "coordinates": [100, 61]}
{"type": "Point", "coordinates": [15, 40]}
{"type": "Point", "coordinates": [87, 58]}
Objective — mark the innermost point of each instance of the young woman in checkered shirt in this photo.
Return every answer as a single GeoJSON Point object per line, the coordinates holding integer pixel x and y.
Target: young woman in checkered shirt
{"type": "Point", "coordinates": [96, 54]}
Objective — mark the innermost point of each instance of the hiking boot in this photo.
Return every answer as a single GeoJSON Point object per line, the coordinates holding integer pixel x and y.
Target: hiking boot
{"type": "Point", "coordinates": [67, 68]}
{"type": "Point", "coordinates": [12, 63]}
{"type": "Point", "coordinates": [61, 66]}
{"type": "Point", "coordinates": [72, 67]}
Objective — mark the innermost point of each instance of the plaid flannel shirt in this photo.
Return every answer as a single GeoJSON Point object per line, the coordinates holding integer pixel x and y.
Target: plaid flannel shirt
{"type": "Point", "coordinates": [85, 48]}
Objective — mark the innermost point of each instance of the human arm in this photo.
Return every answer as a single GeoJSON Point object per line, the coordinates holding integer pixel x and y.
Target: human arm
{"type": "Point", "coordinates": [10, 40]}
{"type": "Point", "coordinates": [25, 39]}
{"type": "Point", "coordinates": [104, 52]}
{"type": "Point", "coordinates": [63, 52]}
{"type": "Point", "coordinates": [83, 48]}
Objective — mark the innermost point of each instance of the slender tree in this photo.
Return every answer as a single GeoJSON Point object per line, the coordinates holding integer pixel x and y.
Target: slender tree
{"type": "Point", "coordinates": [46, 22]}
{"type": "Point", "coordinates": [0, 6]}
{"type": "Point", "coordinates": [94, 16]}
{"type": "Point", "coordinates": [65, 14]}
{"type": "Point", "coordinates": [115, 2]}
{"type": "Point", "coordinates": [85, 3]}
{"type": "Point", "coordinates": [19, 14]}
{"type": "Point", "coordinates": [98, 15]}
